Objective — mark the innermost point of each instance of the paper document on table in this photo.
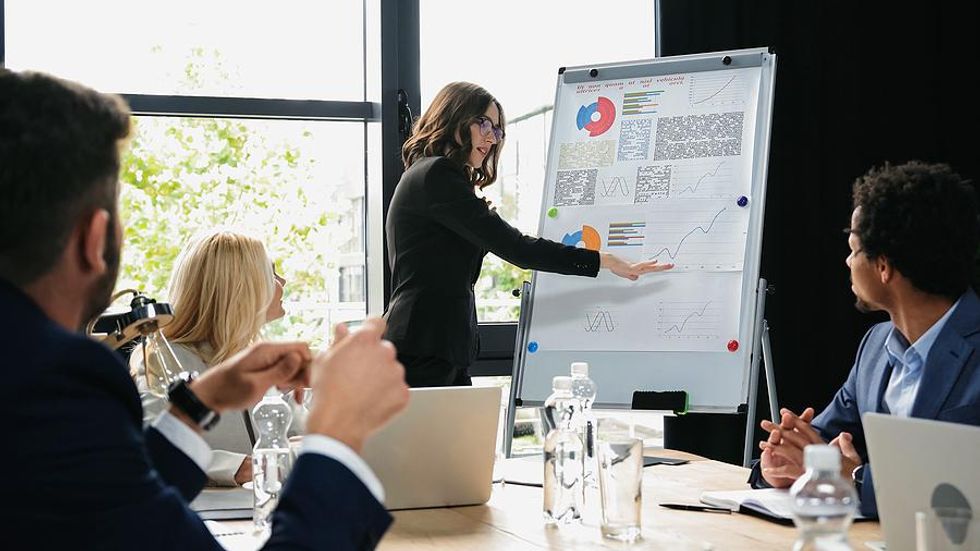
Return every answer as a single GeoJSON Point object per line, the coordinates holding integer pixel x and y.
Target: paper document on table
{"type": "Point", "coordinates": [233, 538]}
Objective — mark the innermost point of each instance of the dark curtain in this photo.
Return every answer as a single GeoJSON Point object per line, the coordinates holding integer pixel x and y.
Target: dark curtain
{"type": "Point", "coordinates": [857, 84]}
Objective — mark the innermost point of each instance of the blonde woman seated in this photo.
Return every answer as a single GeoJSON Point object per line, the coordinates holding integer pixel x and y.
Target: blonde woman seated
{"type": "Point", "coordinates": [223, 290]}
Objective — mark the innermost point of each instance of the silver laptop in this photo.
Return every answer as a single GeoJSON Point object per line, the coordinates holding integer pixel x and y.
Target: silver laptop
{"type": "Point", "coordinates": [918, 464]}
{"type": "Point", "coordinates": [440, 450]}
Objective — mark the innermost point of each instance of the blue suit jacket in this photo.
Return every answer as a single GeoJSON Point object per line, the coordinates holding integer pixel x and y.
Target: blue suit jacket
{"type": "Point", "coordinates": [948, 391]}
{"type": "Point", "coordinates": [80, 471]}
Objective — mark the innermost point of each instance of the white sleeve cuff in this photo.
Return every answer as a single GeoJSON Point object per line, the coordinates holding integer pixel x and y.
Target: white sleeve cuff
{"type": "Point", "coordinates": [334, 449]}
{"type": "Point", "coordinates": [184, 439]}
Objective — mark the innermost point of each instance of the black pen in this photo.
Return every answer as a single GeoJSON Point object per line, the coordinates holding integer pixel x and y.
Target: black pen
{"type": "Point", "coordinates": [685, 507]}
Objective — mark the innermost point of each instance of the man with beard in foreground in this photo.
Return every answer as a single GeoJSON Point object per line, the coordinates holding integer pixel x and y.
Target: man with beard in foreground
{"type": "Point", "coordinates": [80, 471]}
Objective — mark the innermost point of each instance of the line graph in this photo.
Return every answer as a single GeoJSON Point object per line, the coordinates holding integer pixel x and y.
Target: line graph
{"type": "Point", "coordinates": [698, 236]}
{"type": "Point", "coordinates": [703, 179]}
{"type": "Point", "coordinates": [716, 90]}
{"type": "Point", "coordinates": [689, 319]}
{"type": "Point", "coordinates": [677, 250]}
{"type": "Point", "coordinates": [679, 328]}
{"type": "Point", "coordinates": [720, 90]}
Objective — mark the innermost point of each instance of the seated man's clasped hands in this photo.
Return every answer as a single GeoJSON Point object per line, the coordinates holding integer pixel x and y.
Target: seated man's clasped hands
{"type": "Point", "coordinates": [781, 460]}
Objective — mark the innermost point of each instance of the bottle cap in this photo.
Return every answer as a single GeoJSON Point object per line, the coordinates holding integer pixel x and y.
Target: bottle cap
{"type": "Point", "coordinates": [580, 368]}
{"type": "Point", "coordinates": [561, 383]}
{"type": "Point", "coordinates": [821, 457]}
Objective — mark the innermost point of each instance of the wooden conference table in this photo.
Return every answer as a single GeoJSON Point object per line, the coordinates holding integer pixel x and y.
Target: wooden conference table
{"type": "Point", "coordinates": [512, 520]}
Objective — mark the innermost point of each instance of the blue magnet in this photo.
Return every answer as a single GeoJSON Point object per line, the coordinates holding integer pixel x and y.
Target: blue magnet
{"type": "Point", "coordinates": [742, 201]}
{"type": "Point", "coordinates": [532, 346]}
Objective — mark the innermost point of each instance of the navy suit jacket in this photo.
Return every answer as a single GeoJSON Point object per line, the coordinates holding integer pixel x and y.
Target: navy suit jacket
{"type": "Point", "coordinates": [81, 472]}
{"type": "Point", "coordinates": [948, 391]}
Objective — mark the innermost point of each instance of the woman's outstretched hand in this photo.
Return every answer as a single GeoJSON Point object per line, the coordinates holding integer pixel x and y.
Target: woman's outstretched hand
{"type": "Point", "coordinates": [629, 270]}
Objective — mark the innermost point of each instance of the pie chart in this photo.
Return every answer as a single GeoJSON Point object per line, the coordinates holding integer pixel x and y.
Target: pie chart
{"type": "Point", "coordinates": [585, 238]}
{"type": "Point", "coordinates": [597, 117]}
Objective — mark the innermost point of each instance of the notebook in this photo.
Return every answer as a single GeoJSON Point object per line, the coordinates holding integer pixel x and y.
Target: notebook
{"type": "Point", "coordinates": [769, 503]}
{"type": "Point", "coordinates": [223, 503]}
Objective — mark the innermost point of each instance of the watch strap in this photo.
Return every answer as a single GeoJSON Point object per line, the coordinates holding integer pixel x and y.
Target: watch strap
{"type": "Point", "coordinates": [183, 398]}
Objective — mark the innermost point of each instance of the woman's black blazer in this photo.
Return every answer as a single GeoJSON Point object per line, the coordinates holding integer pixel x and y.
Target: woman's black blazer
{"type": "Point", "coordinates": [438, 232]}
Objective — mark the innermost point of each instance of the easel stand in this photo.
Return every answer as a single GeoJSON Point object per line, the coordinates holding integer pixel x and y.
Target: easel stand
{"type": "Point", "coordinates": [517, 371]}
{"type": "Point", "coordinates": [762, 342]}
{"type": "Point", "coordinates": [760, 350]}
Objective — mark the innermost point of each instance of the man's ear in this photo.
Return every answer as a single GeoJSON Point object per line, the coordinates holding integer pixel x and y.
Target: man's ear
{"type": "Point", "coordinates": [886, 272]}
{"type": "Point", "coordinates": [95, 231]}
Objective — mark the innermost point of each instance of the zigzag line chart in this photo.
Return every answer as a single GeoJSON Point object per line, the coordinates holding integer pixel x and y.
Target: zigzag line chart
{"type": "Point", "coordinates": [599, 321]}
{"type": "Point", "coordinates": [614, 186]}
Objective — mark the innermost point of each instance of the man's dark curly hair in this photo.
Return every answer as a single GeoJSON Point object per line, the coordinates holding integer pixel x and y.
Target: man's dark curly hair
{"type": "Point", "coordinates": [923, 219]}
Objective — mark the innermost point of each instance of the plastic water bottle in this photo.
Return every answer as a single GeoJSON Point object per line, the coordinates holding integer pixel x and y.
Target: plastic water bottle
{"type": "Point", "coordinates": [823, 502]}
{"type": "Point", "coordinates": [271, 457]}
{"type": "Point", "coordinates": [584, 390]}
{"type": "Point", "coordinates": [563, 453]}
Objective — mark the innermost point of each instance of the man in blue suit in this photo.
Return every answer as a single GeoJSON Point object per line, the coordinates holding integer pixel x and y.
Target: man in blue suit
{"type": "Point", "coordinates": [80, 472]}
{"type": "Point", "coordinates": [913, 240]}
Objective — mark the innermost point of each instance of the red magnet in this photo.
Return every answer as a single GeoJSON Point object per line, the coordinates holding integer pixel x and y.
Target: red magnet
{"type": "Point", "coordinates": [732, 345]}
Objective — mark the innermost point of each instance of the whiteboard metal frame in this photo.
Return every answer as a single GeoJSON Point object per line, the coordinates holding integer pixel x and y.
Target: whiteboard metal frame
{"type": "Point", "coordinates": [748, 325]}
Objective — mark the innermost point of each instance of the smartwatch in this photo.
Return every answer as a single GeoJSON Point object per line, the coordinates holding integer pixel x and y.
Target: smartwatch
{"type": "Point", "coordinates": [857, 476]}
{"type": "Point", "coordinates": [183, 398]}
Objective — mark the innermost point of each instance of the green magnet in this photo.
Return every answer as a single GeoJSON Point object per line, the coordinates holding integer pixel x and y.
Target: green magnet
{"type": "Point", "coordinates": [553, 212]}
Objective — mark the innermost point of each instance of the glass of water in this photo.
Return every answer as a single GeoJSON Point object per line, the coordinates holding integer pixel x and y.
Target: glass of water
{"type": "Point", "coordinates": [620, 486]}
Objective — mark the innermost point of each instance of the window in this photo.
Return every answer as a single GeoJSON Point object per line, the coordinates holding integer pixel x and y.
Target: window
{"type": "Point", "coordinates": [355, 222]}
{"type": "Point", "coordinates": [289, 183]}
{"type": "Point", "coordinates": [219, 140]}
{"type": "Point", "coordinates": [351, 283]}
{"type": "Point", "coordinates": [190, 69]}
{"type": "Point", "coordinates": [284, 49]}
{"type": "Point", "coordinates": [464, 41]}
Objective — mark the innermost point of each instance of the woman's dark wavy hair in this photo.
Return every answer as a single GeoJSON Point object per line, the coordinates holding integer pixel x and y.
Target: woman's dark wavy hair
{"type": "Point", "coordinates": [923, 219]}
{"type": "Point", "coordinates": [444, 129]}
